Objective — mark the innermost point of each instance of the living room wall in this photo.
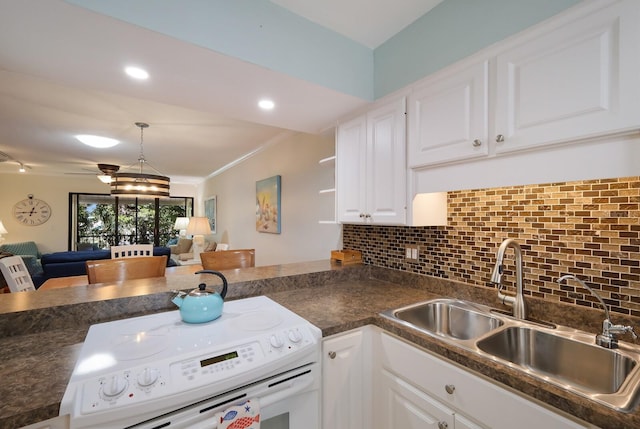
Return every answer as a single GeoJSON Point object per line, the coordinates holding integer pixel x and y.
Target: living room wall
{"type": "Point", "coordinates": [52, 235]}
{"type": "Point", "coordinates": [295, 158]}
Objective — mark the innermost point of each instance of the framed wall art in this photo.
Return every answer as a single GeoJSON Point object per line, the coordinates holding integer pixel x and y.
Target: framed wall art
{"type": "Point", "coordinates": [210, 211]}
{"type": "Point", "coordinates": [268, 205]}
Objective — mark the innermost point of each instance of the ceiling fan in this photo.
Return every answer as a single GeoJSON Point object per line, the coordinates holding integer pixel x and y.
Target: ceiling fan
{"type": "Point", "coordinates": [106, 171]}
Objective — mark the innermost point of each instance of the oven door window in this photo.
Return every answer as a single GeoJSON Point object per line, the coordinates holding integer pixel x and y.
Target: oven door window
{"type": "Point", "coordinates": [281, 421]}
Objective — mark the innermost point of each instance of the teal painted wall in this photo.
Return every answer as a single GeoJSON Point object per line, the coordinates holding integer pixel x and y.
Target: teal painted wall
{"type": "Point", "coordinates": [260, 32]}
{"type": "Point", "coordinates": [451, 31]}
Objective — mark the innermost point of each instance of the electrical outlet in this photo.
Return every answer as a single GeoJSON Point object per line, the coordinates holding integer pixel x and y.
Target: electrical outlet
{"type": "Point", "coordinates": [411, 253]}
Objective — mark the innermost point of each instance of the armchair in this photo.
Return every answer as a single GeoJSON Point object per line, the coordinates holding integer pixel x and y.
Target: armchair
{"type": "Point", "coordinates": [29, 252]}
{"type": "Point", "coordinates": [183, 250]}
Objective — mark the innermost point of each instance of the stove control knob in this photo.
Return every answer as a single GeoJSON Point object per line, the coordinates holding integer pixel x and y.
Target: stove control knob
{"type": "Point", "coordinates": [114, 386]}
{"type": "Point", "coordinates": [295, 336]}
{"type": "Point", "coordinates": [147, 377]}
{"type": "Point", "coordinates": [276, 342]}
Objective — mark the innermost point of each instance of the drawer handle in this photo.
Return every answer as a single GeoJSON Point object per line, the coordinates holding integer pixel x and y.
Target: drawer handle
{"type": "Point", "coordinates": [477, 143]}
{"type": "Point", "coordinates": [332, 355]}
{"type": "Point", "coordinates": [499, 138]}
{"type": "Point", "coordinates": [450, 388]}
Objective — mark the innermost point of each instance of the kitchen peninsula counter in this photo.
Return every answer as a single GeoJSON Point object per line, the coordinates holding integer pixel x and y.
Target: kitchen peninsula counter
{"type": "Point", "coordinates": [42, 331]}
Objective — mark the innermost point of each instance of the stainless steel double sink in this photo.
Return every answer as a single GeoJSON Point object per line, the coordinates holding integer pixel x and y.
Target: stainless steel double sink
{"type": "Point", "coordinates": [565, 357]}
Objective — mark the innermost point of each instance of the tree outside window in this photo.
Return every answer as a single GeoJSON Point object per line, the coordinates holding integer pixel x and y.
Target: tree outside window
{"type": "Point", "coordinates": [100, 221]}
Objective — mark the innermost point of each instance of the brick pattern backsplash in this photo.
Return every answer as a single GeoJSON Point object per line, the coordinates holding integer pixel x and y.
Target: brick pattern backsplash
{"type": "Point", "coordinates": [588, 228]}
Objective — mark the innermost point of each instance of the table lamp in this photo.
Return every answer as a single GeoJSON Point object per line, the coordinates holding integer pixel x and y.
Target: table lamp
{"type": "Point", "coordinates": [181, 225]}
{"type": "Point", "coordinates": [3, 230]}
{"type": "Point", "coordinates": [198, 227]}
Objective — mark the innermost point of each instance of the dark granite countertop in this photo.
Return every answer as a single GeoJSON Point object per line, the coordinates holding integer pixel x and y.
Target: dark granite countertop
{"type": "Point", "coordinates": [38, 358]}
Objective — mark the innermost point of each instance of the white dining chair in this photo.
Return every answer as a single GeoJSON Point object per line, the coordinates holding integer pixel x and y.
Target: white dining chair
{"type": "Point", "coordinates": [131, 251]}
{"type": "Point", "coordinates": [16, 274]}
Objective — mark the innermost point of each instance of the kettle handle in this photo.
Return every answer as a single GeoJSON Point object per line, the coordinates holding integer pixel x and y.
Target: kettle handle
{"type": "Point", "coordinates": [219, 274]}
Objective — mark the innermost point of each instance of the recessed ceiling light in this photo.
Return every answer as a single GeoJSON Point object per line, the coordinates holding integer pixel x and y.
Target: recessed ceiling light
{"type": "Point", "coordinates": [97, 141]}
{"type": "Point", "coordinates": [136, 72]}
{"type": "Point", "coordinates": [266, 104]}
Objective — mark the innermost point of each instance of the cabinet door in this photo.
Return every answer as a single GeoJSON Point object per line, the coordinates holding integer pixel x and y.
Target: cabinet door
{"type": "Point", "coordinates": [403, 406]}
{"type": "Point", "coordinates": [574, 82]}
{"type": "Point", "coordinates": [386, 191]}
{"type": "Point", "coordinates": [350, 170]}
{"type": "Point", "coordinates": [342, 382]}
{"type": "Point", "coordinates": [447, 117]}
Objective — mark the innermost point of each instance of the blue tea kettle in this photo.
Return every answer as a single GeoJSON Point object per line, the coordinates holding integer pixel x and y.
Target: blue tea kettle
{"type": "Point", "coordinates": [201, 305]}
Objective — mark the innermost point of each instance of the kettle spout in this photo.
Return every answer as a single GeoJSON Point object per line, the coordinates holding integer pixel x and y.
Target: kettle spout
{"type": "Point", "coordinates": [179, 298]}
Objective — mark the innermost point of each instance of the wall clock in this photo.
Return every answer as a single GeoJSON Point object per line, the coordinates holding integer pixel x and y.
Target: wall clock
{"type": "Point", "coordinates": [31, 211]}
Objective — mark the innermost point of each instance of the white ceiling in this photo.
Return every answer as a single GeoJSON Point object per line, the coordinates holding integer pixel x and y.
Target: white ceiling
{"type": "Point", "coordinates": [58, 79]}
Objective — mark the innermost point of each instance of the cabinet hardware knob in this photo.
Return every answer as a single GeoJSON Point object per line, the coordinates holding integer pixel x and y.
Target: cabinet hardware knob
{"type": "Point", "coordinates": [362, 215]}
{"type": "Point", "coordinates": [450, 388]}
{"type": "Point", "coordinates": [477, 143]}
{"type": "Point", "coordinates": [442, 425]}
{"type": "Point", "coordinates": [332, 355]}
{"type": "Point", "coordinates": [499, 138]}
{"type": "Point", "coordinates": [367, 216]}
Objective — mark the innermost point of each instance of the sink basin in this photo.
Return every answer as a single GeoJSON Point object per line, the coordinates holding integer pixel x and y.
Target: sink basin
{"type": "Point", "coordinates": [447, 318]}
{"type": "Point", "coordinates": [563, 360]}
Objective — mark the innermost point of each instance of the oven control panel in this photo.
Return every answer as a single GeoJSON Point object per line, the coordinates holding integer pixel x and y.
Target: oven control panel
{"type": "Point", "coordinates": [193, 369]}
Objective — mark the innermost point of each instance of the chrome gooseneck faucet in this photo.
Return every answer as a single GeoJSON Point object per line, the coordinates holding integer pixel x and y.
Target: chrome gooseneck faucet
{"type": "Point", "coordinates": [517, 302]}
{"type": "Point", "coordinates": [607, 338]}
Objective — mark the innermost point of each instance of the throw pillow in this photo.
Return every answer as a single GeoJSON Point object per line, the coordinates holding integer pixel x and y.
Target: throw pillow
{"type": "Point", "coordinates": [183, 246]}
{"type": "Point", "coordinates": [210, 247]}
{"type": "Point", "coordinates": [24, 248]}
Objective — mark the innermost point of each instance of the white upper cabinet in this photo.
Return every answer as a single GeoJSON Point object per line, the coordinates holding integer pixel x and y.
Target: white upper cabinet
{"type": "Point", "coordinates": [351, 147]}
{"type": "Point", "coordinates": [447, 117]}
{"type": "Point", "coordinates": [371, 167]}
{"type": "Point", "coordinates": [577, 81]}
{"type": "Point", "coordinates": [571, 78]}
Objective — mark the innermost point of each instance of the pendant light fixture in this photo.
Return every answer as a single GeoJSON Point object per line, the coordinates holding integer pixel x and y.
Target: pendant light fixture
{"type": "Point", "coordinates": [140, 185]}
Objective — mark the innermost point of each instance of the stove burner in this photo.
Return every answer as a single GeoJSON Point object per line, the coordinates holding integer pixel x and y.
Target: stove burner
{"type": "Point", "coordinates": [254, 321]}
{"type": "Point", "coordinates": [138, 344]}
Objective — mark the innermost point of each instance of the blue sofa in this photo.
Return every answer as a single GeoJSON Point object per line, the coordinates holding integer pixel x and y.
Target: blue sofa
{"type": "Point", "coordinates": [65, 264]}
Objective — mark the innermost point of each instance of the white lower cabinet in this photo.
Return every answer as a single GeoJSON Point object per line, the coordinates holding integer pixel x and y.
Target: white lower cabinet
{"type": "Point", "coordinates": [374, 380]}
{"type": "Point", "coordinates": [346, 383]}
{"type": "Point", "coordinates": [401, 405]}
{"type": "Point", "coordinates": [472, 401]}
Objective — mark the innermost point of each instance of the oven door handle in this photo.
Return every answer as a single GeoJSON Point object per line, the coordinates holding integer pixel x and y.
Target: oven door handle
{"type": "Point", "coordinates": [292, 387]}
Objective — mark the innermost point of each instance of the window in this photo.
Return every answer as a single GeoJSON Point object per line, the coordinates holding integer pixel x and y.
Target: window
{"type": "Point", "coordinates": [98, 221]}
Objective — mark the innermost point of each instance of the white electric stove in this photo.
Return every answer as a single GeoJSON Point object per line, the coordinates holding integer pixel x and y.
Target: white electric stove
{"type": "Point", "coordinates": [157, 371]}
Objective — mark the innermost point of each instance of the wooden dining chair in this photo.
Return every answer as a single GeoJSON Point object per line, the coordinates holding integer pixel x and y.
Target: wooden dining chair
{"type": "Point", "coordinates": [228, 259]}
{"type": "Point", "coordinates": [16, 274]}
{"type": "Point", "coordinates": [113, 270]}
{"type": "Point", "coordinates": [131, 251]}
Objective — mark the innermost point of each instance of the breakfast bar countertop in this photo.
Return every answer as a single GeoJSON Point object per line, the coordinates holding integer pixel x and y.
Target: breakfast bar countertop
{"type": "Point", "coordinates": [38, 362]}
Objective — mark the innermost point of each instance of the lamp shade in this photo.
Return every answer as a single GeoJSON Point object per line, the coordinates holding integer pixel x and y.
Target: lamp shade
{"type": "Point", "coordinates": [3, 230]}
{"type": "Point", "coordinates": [181, 223]}
{"type": "Point", "coordinates": [140, 185]}
{"type": "Point", "coordinates": [198, 226]}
